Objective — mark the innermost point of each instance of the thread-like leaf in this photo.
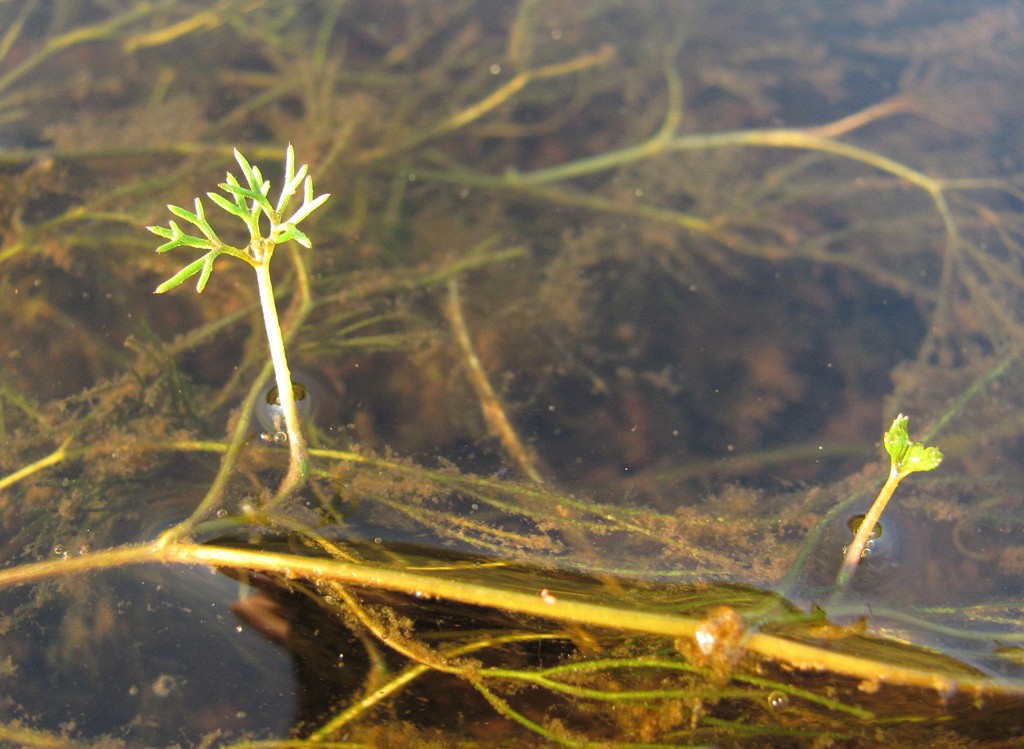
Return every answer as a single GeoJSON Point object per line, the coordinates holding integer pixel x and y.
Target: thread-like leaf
{"type": "Point", "coordinates": [178, 238]}
{"type": "Point", "coordinates": [289, 232]}
{"type": "Point", "coordinates": [231, 207]}
{"type": "Point", "coordinates": [246, 201]}
{"type": "Point", "coordinates": [292, 180]}
{"type": "Point", "coordinates": [198, 219]}
{"type": "Point", "coordinates": [207, 270]}
{"type": "Point", "coordinates": [309, 205]}
{"type": "Point", "coordinates": [259, 200]}
{"type": "Point", "coordinates": [251, 176]}
{"type": "Point", "coordinates": [188, 271]}
{"type": "Point", "coordinates": [244, 192]}
{"type": "Point", "coordinates": [180, 212]}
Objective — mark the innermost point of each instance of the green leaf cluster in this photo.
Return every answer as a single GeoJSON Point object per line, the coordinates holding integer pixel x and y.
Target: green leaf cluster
{"type": "Point", "coordinates": [251, 203]}
{"type": "Point", "coordinates": [908, 457]}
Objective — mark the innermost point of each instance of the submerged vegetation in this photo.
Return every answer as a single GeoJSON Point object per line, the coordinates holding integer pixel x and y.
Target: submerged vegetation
{"type": "Point", "coordinates": [604, 314]}
{"type": "Point", "coordinates": [905, 458]}
{"type": "Point", "coordinates": [251, 204]}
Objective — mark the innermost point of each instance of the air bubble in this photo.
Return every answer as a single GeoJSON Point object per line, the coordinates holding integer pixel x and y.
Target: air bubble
{"type": "Point", "coordinates": [881, 543]}
{"type": "Point", "coordinates": [778, 700]}
{"type": "Point", "coordinates": [854, 525]}
{"type": "Point", "coordinates": [270, 412]}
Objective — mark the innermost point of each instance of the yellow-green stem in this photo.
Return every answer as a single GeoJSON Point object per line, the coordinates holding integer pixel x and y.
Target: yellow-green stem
{"type": "Point", "coordinates": [867, 525]}
{"type": "Point", "coordinates": [53, 458]}
{"type": "Point", "coordinates": [298, 465]}
{"type": "Point", "coordinates": [569, 610]}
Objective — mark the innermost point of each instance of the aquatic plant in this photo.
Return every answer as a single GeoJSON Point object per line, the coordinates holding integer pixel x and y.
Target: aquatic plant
{"type": "Point", "coordinates": [655, 178]}
{"type": "Point", "coordinates": [251, 204]}
{"type": "Point", "coordinates": [905, 458]}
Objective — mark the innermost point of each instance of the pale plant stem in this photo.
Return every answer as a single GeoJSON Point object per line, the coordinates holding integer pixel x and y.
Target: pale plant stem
{"type": "Point", "coordinates": [860, 541]}
{"type": "Point", "coordinates": [622, 617]}
{"type": "Point", "coordinates": [494, 414]}
{"type": "Point", "coordinates": [233, 449]}
{"type": "Point", "coordinates": [298, 464]}
{"type": "Point", "coordinates": [53, 458]}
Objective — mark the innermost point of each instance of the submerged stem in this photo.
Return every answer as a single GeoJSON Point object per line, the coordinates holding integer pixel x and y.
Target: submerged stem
{"type": "Point", "coordinates": [855, 550]}
{"type": "Point", "coordinates": [494, 415]}
{"type": "Point", "coordinates": [905, 458]}
{"type": "Point", "coordinates": [620, 617]}
{"type": "Point", "coordinates": [301, 308]}
{"type": "Point", "coordinates": [298, 464]}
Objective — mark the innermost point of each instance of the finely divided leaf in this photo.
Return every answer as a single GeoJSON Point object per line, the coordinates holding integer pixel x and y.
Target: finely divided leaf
{"type": "Point", "coordinates": [189, 270]}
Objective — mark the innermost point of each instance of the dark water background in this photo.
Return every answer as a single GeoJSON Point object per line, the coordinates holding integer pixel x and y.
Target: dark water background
{"type": "Point", "coordinates": [711, 335]}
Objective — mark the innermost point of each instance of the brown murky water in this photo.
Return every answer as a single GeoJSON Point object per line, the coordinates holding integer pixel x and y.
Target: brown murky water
{"type": "Point", "coordinates": [610, 305]}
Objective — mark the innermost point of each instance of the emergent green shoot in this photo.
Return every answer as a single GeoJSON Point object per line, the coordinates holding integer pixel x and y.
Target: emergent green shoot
{"type": "Point", "coordinates": [905, 458]}
{"type": "Point", "coordinates": [250, 202]}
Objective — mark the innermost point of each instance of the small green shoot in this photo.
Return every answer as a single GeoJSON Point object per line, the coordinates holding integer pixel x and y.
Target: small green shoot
{"type": "Point", "coordinates": [251, 204]}
{"type": "Point", "coordinates": [249, 201]}
{"type": "Point", "coordinates": [905, 458]}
